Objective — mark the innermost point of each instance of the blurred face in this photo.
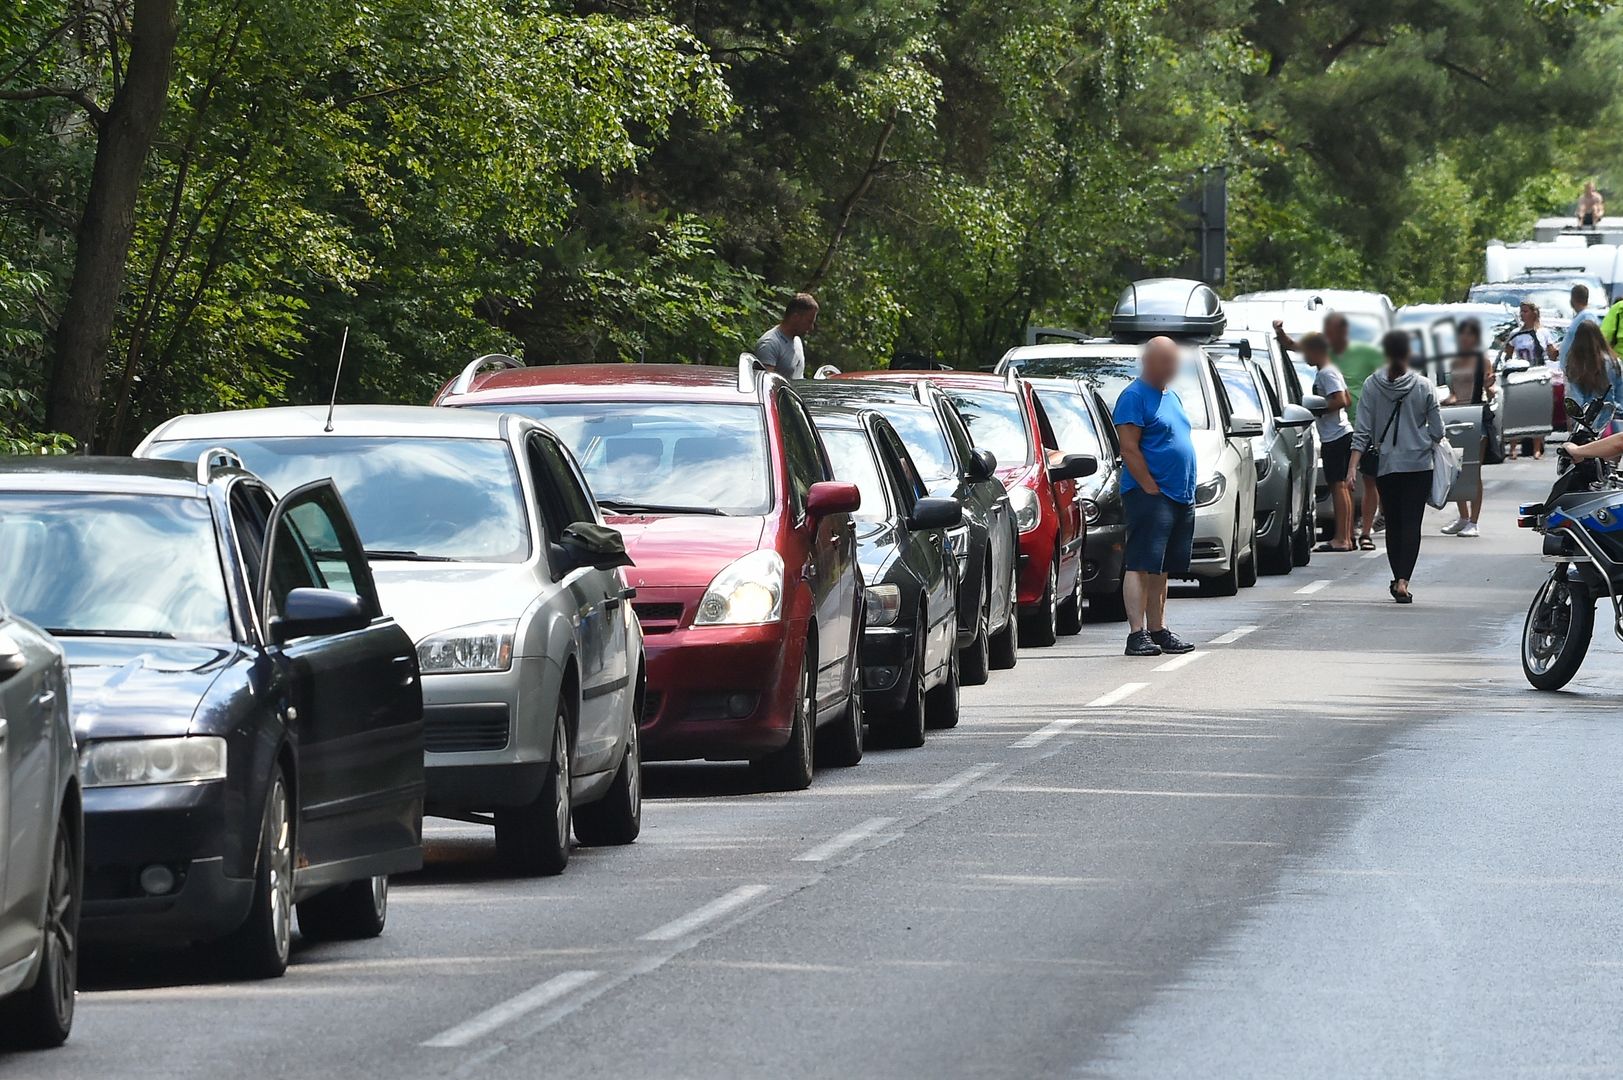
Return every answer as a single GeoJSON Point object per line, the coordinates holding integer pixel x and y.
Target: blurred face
{"type": "Point", "coordinates": [1529, 315]}
{"type": "Point", "coordinates": [801, 323]}
{"type": "Point", "coordinates": [1469, 340]}
{"type": "Point", "coordinates": [1317, 355]}
{"type": "Point", "coordinates": [1160, 362]}
{"type": "Point", "coordinates": [1335, 328]}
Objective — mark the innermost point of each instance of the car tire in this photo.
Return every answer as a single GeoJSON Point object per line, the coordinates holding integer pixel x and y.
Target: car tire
{"type": "Point", "coordinates": [348, 913]}
{"type": "Point", "coordinates": [1248, 568]}
{"type": "Point", "coordinates": [1278, 559]}
{"type": "Point", "coordinates": [941, 704]}
{"type": "Point", "coordinates": [616, 818]}
{"type": "Point", "coordinates": [1068, 620]}
{"type": "Point", "coordinates": [975, 659]}
{"type": "Point", "coordinates": [1228, 583]}
{"type": "Point", "coordinates": [1042, 621]}
{"type": "Point", "coordinates": [1006, 642]}
{"type": "Point", "coordinates": [1302, 539]}
{"type": "Point", "coordinates": [42, 1016]}
{"type": "Point", "coordinates": [533, 839]}
{"type": "Point", "coordinates": [258, 949]}
{"type": "Point", "coordinates": [905, 727]}
{"type": "Point", "coordinates": [790, 767]}
{"type": "Point", "coordinates": [841, 743]}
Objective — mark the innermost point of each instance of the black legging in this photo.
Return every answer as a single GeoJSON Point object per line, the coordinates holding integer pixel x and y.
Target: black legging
{"type": "Point", "coordinates": [1403, 501]}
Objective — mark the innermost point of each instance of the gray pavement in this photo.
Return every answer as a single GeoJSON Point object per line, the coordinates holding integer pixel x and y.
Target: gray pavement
{"type": "Point", "coordinates": [1342, 840]}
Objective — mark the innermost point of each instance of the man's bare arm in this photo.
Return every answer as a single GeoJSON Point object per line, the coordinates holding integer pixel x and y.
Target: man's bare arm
{"type": "Point", "coordinates": [1132, 456]}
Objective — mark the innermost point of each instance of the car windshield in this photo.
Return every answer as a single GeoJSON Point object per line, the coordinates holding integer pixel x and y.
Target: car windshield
{"type": "Point", "coordinates": [106, 565]}
{"type": "Point", "coordinates": [410, 498]}
{"type": "Point", "coordinates": [851, 455]}
{"type": "Point", "coordinates": [1073, 423]}
{"type": "Point", "coordinates": [665, 457]}
{"type": "Point", "coordinates": [996, 423]}
{"type": "Point", "coordinates": [920, 431]}
{"type": "Point", "coordinates": [1109, 375]}
{"type": "Point", "coordinates": [1553, 303]}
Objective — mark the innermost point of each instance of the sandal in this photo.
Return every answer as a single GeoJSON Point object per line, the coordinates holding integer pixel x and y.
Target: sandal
{"type": "Point", "coordinates": [1400, 597]}
{"type": "Point", "coordinates": [1366, 543]}
{"type": "Point", "coordinates": [1329, 547]}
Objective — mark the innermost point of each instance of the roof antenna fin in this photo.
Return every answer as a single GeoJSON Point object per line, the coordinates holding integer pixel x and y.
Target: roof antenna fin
{"type": "Point", "coordinates": [332, 403]}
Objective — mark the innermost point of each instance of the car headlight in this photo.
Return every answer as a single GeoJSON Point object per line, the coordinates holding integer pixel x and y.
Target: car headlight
{"type": "Point", "coordinates": [883, 606]}
{"type": "Point", "coordinates": [1024, 501]}
{"type": "Point", "coordinates": [1210, 490]}
{"type": "Point", "coordinates": [183, 759]}
{"type": "Point", "coordinates": [958, 540]}
{"type": "Point", "coordinates": [486, 646]}
{"type": "Point", "coordinates": [748, 590]}
{"type": "Point", "coordinates": [1090, 512]}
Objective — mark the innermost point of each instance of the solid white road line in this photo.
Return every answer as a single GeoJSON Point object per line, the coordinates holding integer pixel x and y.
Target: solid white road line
{"type": "Point", "coordinates": [1233, 635]}
{"type": "Point", "coordinates": [710, 912]}
{"type": "Point", "coordinates": [1313, 587]}
{"type": "Point", "coordinates": [1037, 738]}
{"type": "Point", "coordinates": [1179, 661]}
{"type": "Point", "coordinates": [834, 845]}
{"type": "Point", "coordinates": [511, 1009]}
{"type": "Point", "coordinates": [957, 781]}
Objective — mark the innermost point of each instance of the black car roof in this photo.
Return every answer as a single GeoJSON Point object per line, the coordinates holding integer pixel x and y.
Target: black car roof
{"type": "Point", "coordinates": [77, 472]}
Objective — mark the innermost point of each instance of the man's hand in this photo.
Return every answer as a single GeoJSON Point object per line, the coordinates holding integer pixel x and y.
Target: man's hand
{"type": "Point", "coordinates": [1279, 326]}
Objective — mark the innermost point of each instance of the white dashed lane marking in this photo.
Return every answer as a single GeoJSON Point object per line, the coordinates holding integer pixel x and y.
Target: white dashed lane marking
{"type": "Point", "coordinates": [1313, 587]}
{"type": "Point", "coordinates": [1058, 727]}
{"type": "Point", "coordinates": [708, 913]}
{"type": "Point", "coordinates": [1179, 661]}
{"type": "Point", "coordinates": [847, 839]}
{"type": "Point", "coordinates": [957, 781]}
{"type": "Point", "coordinates": [1233, 635]}
{"type": "Point", "coordinates": [514, 1007]}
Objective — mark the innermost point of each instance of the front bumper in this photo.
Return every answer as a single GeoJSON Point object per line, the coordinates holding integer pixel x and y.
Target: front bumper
{"type": "Point", "coordinates": [1035, 558]}
{"type": "Point", "coordinates": [1102, 557]}
{"type": "Point", "coordinates": [1273, 508]}
{"type": "Point", "coordinates": [887, 657]}
{"type": "Point", "coordinates": [487, 736]}
{"type": "Point", "coordinates": [1214, 539]}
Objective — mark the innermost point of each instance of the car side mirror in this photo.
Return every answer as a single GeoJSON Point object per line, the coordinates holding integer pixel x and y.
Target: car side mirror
{"type": "Point", "coordinates": [586, 543]}
{"type": "Point", "coordinates": [314, 612]}
{"type": "Point", "coordinates": [1072, 466]}
{"type": "Point", "coordinates": [936, 513]}
{"type": "Point", "coordinates": [982, 465]}
{"type": "Point", "coordinates": [832, 497]}
{"type": "Point", "coordinates": [1241, 428]}
{"type": "Point", "coordinates": [1315, 404]}
{"type": "Point", "coordinates": [1294, 416]}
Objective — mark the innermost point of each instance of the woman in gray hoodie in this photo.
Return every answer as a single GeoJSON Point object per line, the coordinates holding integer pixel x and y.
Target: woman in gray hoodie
{"type": "Point", "coordinates": [1398, 424]}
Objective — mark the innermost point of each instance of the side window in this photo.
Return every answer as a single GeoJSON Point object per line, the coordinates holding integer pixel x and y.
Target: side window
{"type": "Point", "coordinates": [904, 476]}
{"type": "Point", "coordinates": [315, 546]}
{"type": "Point", "coordinates": [957, 433]}
{"type": "Point", "coordinates": [1044, 428]}
{"type": "Point", "coordinates": [559, 493]}
{"type": "Point", "coordinates": [807, 465]}
{"type": "Point", "coordinates": [250, 512]}
{"type": "Point", "coordinates": [1274, 408]}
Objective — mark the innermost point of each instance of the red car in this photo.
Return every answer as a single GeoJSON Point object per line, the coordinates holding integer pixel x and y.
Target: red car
{"type": "Point", "coordinates": [1005, 417]}
{"type": "Point", "coordinates": [745, 563]}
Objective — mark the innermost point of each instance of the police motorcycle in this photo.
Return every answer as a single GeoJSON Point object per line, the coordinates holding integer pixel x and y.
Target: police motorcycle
{"type": "Point", "coordinates": [1582, 523]}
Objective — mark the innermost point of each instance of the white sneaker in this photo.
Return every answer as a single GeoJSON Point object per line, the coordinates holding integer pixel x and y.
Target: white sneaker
{"type": "Point", "coordinates": [1456, 526]}
{"type": "Point", "coordinates": [1470, 529]}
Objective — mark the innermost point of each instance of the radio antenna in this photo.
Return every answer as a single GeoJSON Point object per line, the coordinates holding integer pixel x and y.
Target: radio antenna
{"type": "Point", "coordinates": [332, 403]}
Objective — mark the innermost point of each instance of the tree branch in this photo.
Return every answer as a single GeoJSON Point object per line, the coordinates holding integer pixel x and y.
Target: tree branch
{"type": "Point", "coordinates": [77, 95]}
{"type": "Point", "coordinates": [1449, 65]}
{"type": "Point", "coordinates": [848, 207]}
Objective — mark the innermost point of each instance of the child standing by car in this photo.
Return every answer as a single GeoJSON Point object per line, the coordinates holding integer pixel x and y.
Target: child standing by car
{"type": "Point", "coordinates": [1335, 434]}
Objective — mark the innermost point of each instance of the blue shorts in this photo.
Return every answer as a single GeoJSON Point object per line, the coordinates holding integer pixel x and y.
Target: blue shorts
{"type": "Point", "coordinates": [1160, 533]}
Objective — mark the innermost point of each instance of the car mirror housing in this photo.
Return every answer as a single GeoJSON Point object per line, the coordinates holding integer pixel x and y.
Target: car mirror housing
{"type": "Point", "coordinates": [936, 513]}
{"type": "Point", "coordinates": [1072, 466]}
{"type": "Point", "coordinates": [313, 612]}
{"type": "Point", "coordinates": [1241, 428]}
{"type": "Point", "coordinates": [1294, 416]}
{"type": "Point", "coordinates": [586, 543]}
{"type": "Point", "coordinates": [1315, 404]}
{"type": "Point", "coordinates": [982, 465]}
{"type": "Point", "coordinates": [832, 497]}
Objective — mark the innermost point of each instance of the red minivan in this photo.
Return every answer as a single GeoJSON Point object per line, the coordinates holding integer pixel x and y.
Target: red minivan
{"type": "Point", "coordinates": [745, 564]}
{"type": "Point", "coordinates": [1005, 417]}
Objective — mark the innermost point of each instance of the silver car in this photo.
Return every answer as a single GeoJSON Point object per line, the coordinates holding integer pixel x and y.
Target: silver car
{"type": "Point", "coordinates": [41, 840]}
{"type": "Point", "coordinates": [487, 546]}
{"type": "Point", "coordinates": [1284, 506]}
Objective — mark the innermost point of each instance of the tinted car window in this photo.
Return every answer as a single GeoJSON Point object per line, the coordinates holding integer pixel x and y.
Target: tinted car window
{"type": "Point", "coordinates": [664, 454]}
{"type": "Point", "coordinates": [1073, 423]}
{"type": "Point", "coordinates": [1243, 398]}
{"type": "Point", "coordinates": [997, 422]}
{"type": "Point", "coordinates": [853, 460]}
{"type": "Point", "coordinates": [92, 563]}
{"type": "Point", "coordinates": [562, 500]}
{"type": "Point", "coordinates": [806, 465]}
{"type": "Point", "coordinates": [921, 432]}
{"type": "Point", "coordinates": [441, 498]}
{"type": "Point", "coordinates": [329, 543]}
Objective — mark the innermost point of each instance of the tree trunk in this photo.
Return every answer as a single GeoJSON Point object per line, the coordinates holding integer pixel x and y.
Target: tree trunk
{"type": "Point", "coordinates": [123, 141]}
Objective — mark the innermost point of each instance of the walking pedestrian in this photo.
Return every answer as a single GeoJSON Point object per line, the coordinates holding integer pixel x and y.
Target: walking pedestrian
{"type": "Point", "coordinates": [1398, 427]}
{"type": "Point", "coordinates": [1527, 346]}
{"type": "Point", "coordinates": [782, 346]}
{"type": "Point", "coordinates": [1471, 381]}
{"type": "Point", "coordinates": [1335, 436]}
{"type": "Point", "coordinates": [1158, 496]}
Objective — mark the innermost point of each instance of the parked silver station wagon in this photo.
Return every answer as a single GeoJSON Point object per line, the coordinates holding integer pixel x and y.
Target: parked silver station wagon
{"type": "Point", "coordinates": [486, 545]}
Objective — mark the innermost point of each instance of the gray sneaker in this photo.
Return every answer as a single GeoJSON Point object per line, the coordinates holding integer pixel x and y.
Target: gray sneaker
{"type": "Point", "coordinates": [1139, 643]}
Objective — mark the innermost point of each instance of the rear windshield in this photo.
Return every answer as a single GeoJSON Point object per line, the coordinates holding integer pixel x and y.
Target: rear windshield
{"type": "Point", "coordinates": [456, 499]}
{"type": "Point", "coordinates": [996, 423]}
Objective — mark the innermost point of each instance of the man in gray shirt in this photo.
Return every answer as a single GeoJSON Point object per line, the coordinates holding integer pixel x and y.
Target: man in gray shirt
{"type": "Point", "coordinates": [781, 347]}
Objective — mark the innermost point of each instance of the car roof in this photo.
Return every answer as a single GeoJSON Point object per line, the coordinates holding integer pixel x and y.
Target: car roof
{"type": "Point", "coordinates": [965, 380]}
{"type": "Point", "coordinates": [123, 475]}
{"type": "Point", "coordinates": [1334, 299]}
{"type": "Point", "coordinates": [828, 412]}
{"type": "Point", "coordinates": [885, 392]}
{"type": "Point", "coordinates": [1073, 348]}
{"type": "Point", "coordinates": [630, 382]}
{"type": "Point", "coordinates": [371, 421]}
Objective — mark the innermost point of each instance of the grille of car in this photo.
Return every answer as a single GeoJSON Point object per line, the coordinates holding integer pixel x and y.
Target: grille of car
{"type": "Point", "coordinates": [460, 729]}
{"type": "Point", "coordinates": [658, 618]}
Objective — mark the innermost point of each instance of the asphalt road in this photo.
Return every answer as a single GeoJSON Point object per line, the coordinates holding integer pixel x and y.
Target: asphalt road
{"type": "Point", "coordinates": [1342, 839]}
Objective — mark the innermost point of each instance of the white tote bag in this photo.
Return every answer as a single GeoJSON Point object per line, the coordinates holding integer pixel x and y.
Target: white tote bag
{"type": "Point", "coordinates": [1445, 469]}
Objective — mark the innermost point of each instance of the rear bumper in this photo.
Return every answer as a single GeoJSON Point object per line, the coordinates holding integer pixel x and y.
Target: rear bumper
{"type": "Point", "coordinates": [724, 693]}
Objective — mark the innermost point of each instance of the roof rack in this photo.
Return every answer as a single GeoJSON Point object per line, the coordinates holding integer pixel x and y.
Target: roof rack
{"type": "Point", "coordinates": [216, 457]}
{"type": "Point", "coordinates": [748, 365]}
{"type": "Point", "coordinates": [464, 382]}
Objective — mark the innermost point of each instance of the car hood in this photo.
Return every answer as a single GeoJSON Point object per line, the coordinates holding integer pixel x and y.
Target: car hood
{"type": "Point", "coordinates": [876, 548]}
{"type": "Point", "coordinates": [684, 549]}
{"type": "Point", "coordinates": [425, 598]}
{"type": "Point", "coordinates": [125, 687]}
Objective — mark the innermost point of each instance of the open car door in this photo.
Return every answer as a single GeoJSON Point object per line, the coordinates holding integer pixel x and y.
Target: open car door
{"type": "Point", "coordinates": [356, 706]}
{"type": "Point", "coordinates": [1462, 422]}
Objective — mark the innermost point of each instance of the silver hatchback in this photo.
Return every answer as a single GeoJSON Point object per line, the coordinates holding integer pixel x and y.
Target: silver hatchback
{"type": "Point", "coordinates": [487, 546]}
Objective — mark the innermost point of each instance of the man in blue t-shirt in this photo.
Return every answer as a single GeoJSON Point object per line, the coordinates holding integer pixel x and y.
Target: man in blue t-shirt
{"type": "Point", "coordinates": [1158, 497]}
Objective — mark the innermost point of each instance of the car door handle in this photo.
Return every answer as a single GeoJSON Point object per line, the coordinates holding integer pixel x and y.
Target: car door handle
{"type": "Point", "coordinates": [45, 698]}
{"type": "Point", "coordinates": [405, 669]}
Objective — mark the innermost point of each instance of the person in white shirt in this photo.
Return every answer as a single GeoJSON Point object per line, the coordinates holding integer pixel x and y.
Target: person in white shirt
{"type": "Point", "coordinates": [1529, 346]}
{"type": "Point", "coordinates": [1335, 436]}
{"type": "Point", "coordinates": [781, 347]}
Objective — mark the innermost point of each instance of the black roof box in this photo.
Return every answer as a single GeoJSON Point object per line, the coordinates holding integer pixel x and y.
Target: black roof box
{"type": "Point", "coordinates": [1179, 308]}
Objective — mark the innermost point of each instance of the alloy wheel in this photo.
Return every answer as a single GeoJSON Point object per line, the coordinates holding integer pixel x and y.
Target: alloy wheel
{"type": "Point", "coordinates": [560, 754]}
{"type": "Point", "coordinates": [280, 862]}
{"type": "Point", "coordinates": [61, 928]}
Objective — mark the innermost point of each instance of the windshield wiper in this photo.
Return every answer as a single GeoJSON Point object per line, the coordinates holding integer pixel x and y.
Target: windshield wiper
{"type": "Point", "coordinates": [652, 508]}
{"type": "Point", "coordinates": [63, 631]}
{"type": "Point", "coordinates": [390, 555]}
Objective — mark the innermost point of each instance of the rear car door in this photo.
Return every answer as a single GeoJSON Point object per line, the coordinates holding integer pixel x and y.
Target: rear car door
{"type": "Point", "coordinates": [29, 700]}
{"type": "Point", "coordinates": [355, 700]}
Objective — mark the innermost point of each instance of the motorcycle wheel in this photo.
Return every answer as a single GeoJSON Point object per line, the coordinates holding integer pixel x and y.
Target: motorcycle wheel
{"type": "Point", "coordinates": [1556, 635]}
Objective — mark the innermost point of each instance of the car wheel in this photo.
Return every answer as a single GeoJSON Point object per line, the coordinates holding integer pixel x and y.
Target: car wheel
{"type": "Point", "coordinates": [348, 913]}
{"type": "Point", "coordinates": [975, 659]}
{"type": "Point", "coordinates": [1068, 620]}
{"type": "Point", "coordinates": [259, 947]}
{"type": "Point", "coordinates": [1006, 642]}
{"type": "Point", "coordinates": [534, 839]}
{"type": "Point", "coordinates": [941, 704]}
{"type": "Point", "coordinates": [1302, 539]}
{"type": "Point", "coordinates": [42, 1015]}
{"type": "Point", "coordinates": [905, 727]}
{"type": "Point", "coordinates": [840, 743]}
{"type": "Point", "coordinates": [616, 818]}
{"type": "Point", "coordinates": [1248, 568]}
{"type": "Point", "coordinates": [1276, 559]}
{"type": "Point", "coordinates": [790, 768]}
{"type": "Point", "coordinates": [1042, 621]}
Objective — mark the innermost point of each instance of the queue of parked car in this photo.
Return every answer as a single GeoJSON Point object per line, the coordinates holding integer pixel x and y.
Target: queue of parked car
{"type": "Point", "coordinates": [240, 666]}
